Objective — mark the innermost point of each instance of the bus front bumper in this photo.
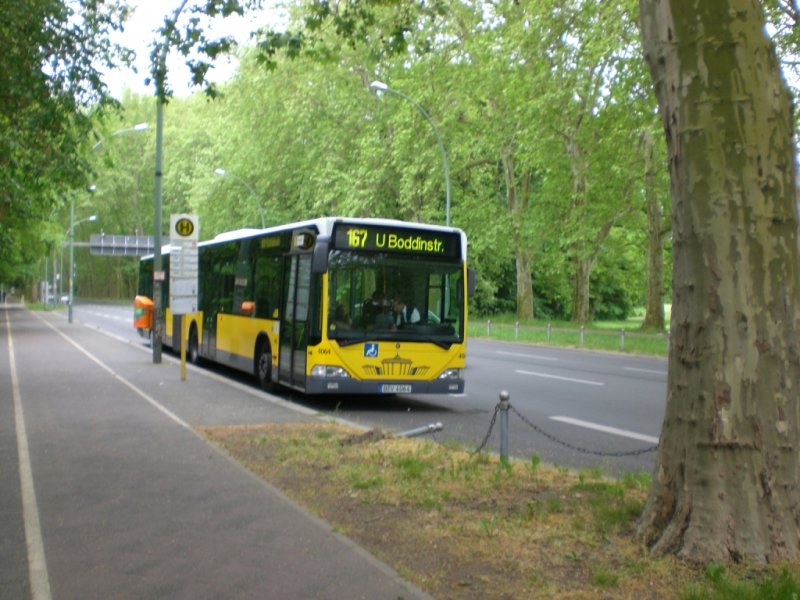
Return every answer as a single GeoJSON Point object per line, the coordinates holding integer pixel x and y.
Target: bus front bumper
{"type": "Point", "coordinates": [328, 385]}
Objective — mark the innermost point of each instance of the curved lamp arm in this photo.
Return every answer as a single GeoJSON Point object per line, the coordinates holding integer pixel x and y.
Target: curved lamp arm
{"type": "Point", "coordinates": [379, 86]}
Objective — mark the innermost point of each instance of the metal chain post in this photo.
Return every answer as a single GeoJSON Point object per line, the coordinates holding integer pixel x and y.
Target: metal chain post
{"type": "Point", "coordinates": [504, 406]}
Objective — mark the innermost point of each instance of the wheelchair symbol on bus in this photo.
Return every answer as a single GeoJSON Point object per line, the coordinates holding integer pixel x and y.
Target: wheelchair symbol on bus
{"type": "Point", "coordinates": [371, 350]}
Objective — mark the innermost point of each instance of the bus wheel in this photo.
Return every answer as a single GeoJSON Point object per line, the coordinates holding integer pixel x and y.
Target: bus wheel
{"type": "Point", "coordinates": [264, 367]}
{"type": "Point", "coordinates": [194, 350]}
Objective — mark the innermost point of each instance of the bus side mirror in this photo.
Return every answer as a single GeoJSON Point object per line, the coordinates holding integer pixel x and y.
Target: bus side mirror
{"type": "Point", "coordinates": [319, 260]}
{"type": "Point", "coordinates": [472, 282]}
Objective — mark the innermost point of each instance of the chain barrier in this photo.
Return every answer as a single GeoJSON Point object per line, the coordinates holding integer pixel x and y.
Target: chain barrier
{"type": "Point", "coordinates": [553, 438]}
{"type": "Point", "coordinates": [488, 433]}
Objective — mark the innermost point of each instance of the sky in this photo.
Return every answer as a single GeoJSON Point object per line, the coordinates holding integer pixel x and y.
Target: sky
{"type": "Point", "coordinates": [140, 32]}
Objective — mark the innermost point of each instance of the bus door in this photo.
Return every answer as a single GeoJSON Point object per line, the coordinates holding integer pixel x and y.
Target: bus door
{"type": "Point", "coordinates": [209, 344]}
{"type": "Point", "coordinates": [294, 321]}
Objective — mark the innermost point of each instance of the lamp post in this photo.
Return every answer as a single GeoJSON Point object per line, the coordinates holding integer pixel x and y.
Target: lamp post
{"type": "Point", "coordinates": [137, 127]}
{"type": "Point", "coordinates": [90, 189]}
{"type": "Point", "coordinates": [224, 173]}
{"type": "Point", "coordinates": [161, 100]}
{"type": "Point", "coordinates": [379, 86]}
{"type": "Point", "coordinates": [72, 225]}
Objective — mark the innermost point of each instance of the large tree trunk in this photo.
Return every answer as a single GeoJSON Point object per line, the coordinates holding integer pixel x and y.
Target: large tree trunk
{"type": "Point", "coordinates": [524, 260]}
{"type": "Point", "coordinates": [582, 265]}
{"type": "Point", "coordinates": [581, 275]}
{"type": "Point", "coordinates": [726, 480]}
{"type": "Point", "coordinates": [517, 197]}
{"type": "Point", "coordinates": [654, 304]}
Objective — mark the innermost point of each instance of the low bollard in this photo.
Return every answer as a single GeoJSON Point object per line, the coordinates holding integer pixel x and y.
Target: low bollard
{"type": "Point", "coordinates": [504, 405]}
{"type": "Point", "coordinates": [431, 428]}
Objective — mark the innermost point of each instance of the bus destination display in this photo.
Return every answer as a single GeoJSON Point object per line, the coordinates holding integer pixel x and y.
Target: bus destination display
{"type": "Point", "coordinates": [388, 239]}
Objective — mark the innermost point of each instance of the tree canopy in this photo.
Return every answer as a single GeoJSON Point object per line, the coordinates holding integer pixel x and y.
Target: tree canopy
{"type": "Point", "coordinates": [51, 54]}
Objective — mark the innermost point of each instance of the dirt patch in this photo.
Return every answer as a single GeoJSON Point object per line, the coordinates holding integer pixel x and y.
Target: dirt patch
{"type": "Point", "coordinates": [464, 527]}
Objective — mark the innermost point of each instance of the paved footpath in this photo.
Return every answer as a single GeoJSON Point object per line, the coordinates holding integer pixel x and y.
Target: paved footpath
{"type": "Point", "coordinates": [107, 492]}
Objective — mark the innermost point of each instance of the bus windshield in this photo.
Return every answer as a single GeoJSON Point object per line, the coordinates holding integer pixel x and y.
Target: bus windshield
{"type": "Point", "coordinates": [384, 296]}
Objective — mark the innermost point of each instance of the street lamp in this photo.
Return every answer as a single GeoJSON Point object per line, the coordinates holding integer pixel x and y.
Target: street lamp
{"type": "Point", "coordinates": [161, 93]}
{"type": "Point", "coordinates": [72, 224]}
{"type": "Point", "coordinates": [379, 86]}
{"type": "Point", "coordinates": [224, 173]}
{"type": "Point", "coordinates": [137, 127]}
{"type": "Point", "coordinates": [90, 189]}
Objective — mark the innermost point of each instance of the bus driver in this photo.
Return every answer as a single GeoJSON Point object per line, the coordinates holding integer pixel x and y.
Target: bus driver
{"type": "Point", "coordinates": [404, 312]}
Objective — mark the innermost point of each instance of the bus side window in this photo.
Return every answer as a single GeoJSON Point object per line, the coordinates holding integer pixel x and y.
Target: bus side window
{"type": "Point", "coordinates": [219, 266]}
{"type": "Point", "coordinates": [243, 284]}
{"type": "Point", "coordinates": [267, 285]}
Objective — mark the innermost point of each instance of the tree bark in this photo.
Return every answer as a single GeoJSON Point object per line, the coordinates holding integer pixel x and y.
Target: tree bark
{"type": "Point", "coordinates": [582, 265]}
{"type": "Point", "coordinates": [517, 197]}
{"type": "Point", "coordinates": [654, 304]}
{"type": "Point", "coordinates": [581, 275]}
{"type": "Point", "coordinates": [524, 261]}
{"type": "Point", "coordinates": [725, 486]}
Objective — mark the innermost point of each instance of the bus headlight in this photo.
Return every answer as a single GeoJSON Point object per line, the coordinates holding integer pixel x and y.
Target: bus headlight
{"type": "Point", "coordinates": [329, 371]}
{"type": "Point", "coordinates": [450, 374]}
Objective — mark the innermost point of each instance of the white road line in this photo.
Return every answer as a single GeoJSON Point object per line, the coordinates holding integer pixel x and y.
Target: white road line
{"type": "Point", "coordinates": [120, 378]}
{"type": "Point", "coordinates": [262, 395]}
{"type": "Point", "coordinates": [570, 379]}
{"type": "Point", "coordinates": [606, 429]}
{"type": "Point", "coordinates": [644, 370]}
{"type": "Point", "coordinates": [521, 355]}
{"type": "Point", "coordinates": [37, 563]}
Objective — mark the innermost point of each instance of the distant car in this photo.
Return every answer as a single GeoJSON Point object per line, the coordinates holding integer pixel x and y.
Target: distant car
{"type": "Point", "coordinates": [64, 299]}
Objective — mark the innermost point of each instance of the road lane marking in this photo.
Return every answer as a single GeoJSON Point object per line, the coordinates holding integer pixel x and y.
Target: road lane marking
{"type": "Point", "coordinates": [570, 379]}
{"type": "Point", "coordinates": [606, 429]}
{"type": "Point", "coordinates": [644, 370]}
{"type": "Point", "coordinates": [155, 403]}
{"type": "Point", "coordinates": [256, 392]}
{"type": "Point", "coordinates": [37, 562]}
{"type": "Point", "coordinates": [521, 355]}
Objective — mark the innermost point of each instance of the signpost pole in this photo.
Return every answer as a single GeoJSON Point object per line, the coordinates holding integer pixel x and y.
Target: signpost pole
{"type": "Point", "coordinates": [183, 349]}
{"type": "Point", "coordinates": [184, 234]}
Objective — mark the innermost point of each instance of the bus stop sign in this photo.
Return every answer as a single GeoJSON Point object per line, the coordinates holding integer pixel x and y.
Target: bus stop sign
{"type": "Point", "coordinates": [183, 238]}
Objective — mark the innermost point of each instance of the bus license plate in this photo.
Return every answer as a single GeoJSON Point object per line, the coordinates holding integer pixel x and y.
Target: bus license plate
{"type": "Point", "coordinates": [395, 388]}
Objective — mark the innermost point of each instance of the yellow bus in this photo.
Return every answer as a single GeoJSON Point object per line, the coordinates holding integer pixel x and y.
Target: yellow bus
{"type": "Point", "coordinates": [328, 306]}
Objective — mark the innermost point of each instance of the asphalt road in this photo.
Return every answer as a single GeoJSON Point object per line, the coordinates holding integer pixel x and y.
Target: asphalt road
{"type": "Point", "coordinates": [574, 408]}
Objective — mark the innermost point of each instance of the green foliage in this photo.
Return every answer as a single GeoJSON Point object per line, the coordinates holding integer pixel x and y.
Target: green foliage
{"type": "Point", "coordinates": [540, 107]}
{"type": "Point", "coordinates": [183, 31]}
{"type": "Point", "coordinates": [604, 577]}
{"type": "Point", "coordinates": [530, 100]}
{"type": "Point", "coordinates": [719, 585]}
{"type": "Point", "coordinates": [611, 508]}
{"type": "Point", "coordinates": [50, 56]}
{"type": "Point", "coordinates": [412, 467]}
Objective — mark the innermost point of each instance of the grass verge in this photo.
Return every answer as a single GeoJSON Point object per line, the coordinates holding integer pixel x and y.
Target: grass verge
{"type": "Point", "coordinates": [467, 527]}
{"type": "Point", "coordinates": [598, 336]}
